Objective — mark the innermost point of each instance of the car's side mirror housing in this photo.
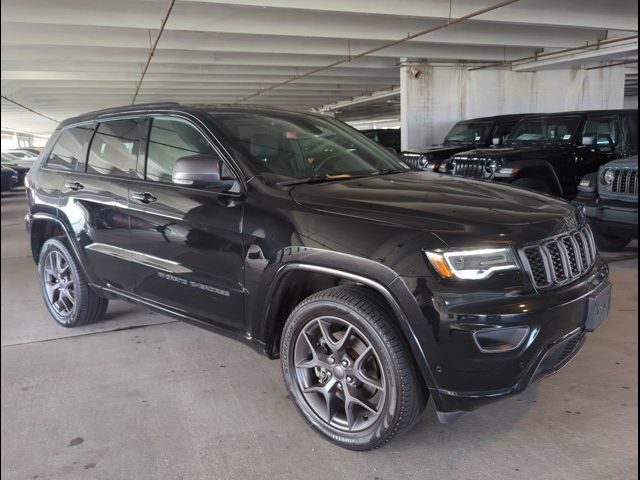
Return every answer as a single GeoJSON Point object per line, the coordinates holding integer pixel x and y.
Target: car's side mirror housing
{"type": "Point", "coordinates": [199, 171]}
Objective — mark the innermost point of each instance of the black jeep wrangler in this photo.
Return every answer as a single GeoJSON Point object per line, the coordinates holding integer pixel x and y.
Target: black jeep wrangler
{"type": "Point", "coordinates": [550, 153]}
{"type": "Point", "coordinates": [376, 285]}
{"type": "Point", "coordinates": [609, 199]}
{"type": "Point", "coordinates": [467, 134]}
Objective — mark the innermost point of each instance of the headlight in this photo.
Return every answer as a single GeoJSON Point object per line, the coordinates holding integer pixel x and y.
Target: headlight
{"type": "Point", "coordinates": [472, 264]}
{"type": "Point", "coordinates": [609, 176]}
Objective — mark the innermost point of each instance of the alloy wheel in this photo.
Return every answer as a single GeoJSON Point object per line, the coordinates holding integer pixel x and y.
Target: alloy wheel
{"type": "Point", "coordinates": [339, 374]}
{"type": "Point", "coordinates": [59, 283]}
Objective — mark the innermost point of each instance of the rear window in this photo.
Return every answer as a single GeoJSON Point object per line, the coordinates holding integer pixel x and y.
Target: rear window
{"type": "Point", "coordinates": [67, 153]}
{"type": "Point", "coordinates": [114, 149]}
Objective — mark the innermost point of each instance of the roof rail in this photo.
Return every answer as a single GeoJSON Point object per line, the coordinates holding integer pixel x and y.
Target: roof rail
{"type": "Point", "coordinates": [124, 108]}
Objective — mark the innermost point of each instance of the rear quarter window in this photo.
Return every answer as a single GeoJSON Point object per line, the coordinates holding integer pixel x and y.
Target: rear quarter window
{"type": "Point", "coordinates": [68, 153]}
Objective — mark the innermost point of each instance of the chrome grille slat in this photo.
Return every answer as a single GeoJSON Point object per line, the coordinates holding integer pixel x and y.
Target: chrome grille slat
{"type": "Point", "coordinates": [560, 259]}
{"type": "Point", "coordinates": [625, 181]}
{"type": "Point", "coordinates": [470, 167]}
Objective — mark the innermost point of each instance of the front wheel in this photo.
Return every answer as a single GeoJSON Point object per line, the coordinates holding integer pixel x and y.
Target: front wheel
{"type": "Point", "coordinates": [609, 243]}
{"type": "Point", "coordinates": [348, 371]}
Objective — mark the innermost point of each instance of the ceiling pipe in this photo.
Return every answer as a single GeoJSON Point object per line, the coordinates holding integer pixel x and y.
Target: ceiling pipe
{"type": "Point", "coordinates": [163, 23]}
{"type": "Point", "coordinates": [29, 109]}
{"type": "Point", "coordinates": [350, 58]}
{"type": "Point", "coordinates": [538, 56]}
{"type": "Point", "coordinates": [626, 62]}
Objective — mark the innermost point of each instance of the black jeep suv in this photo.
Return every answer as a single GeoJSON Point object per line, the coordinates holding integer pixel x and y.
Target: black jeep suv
{"type": "Point", "coordinates": [550, 153]}
{"type": "Point", "coordinates": [609, 199]}
{"type": "Point", "coordinates": [377, 286]}
{"type": "Point", "coordinates": [465, 135]}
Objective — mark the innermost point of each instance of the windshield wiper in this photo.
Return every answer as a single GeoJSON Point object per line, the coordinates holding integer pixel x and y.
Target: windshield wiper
{"type": "Point", "coordinates": [390, 171]}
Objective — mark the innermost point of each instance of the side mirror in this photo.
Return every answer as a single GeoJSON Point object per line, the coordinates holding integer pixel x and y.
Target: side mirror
{"type": "Point", "coordinates": [588, 141]}
{"type": "Point", "coordinates": [201, 171]}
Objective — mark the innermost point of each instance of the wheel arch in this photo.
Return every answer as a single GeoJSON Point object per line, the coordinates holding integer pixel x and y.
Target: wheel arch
{"type": "Point", "coordinates": [540, 169]}
{"type": "Point", "coordinates": [44, 226]}
{"type": "Point", "coordinates": [280, 305]}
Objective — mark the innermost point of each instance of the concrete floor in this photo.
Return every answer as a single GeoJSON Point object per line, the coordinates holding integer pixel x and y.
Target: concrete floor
{"type": "Point", "coordinates": [140, 396]}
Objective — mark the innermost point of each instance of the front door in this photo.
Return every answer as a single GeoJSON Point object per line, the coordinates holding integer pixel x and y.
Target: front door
{"type": "Point", "coordinates": [187, 241]}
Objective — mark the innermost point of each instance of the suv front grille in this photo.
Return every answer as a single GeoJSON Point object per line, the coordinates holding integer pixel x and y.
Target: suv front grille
{"type": "Point", "coordinates": [560, 259]}
{"type": "Point", "coordinates": [625, 181]}
{"type": "Point", "coordinates": [470, 167]}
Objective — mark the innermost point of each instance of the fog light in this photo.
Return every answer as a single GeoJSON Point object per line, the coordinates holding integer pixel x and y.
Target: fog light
{"type": "Point", "coordinates": [499, 340]}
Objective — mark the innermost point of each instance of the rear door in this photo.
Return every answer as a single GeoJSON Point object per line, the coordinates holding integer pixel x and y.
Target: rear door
{"type": "Point", "coordinates": [188, 241]}
{"type": "Point", "coordinates": [95, 201]}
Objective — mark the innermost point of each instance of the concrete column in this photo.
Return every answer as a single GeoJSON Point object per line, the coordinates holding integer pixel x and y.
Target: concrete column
{"type": "Point", "coordinates": [434, 97]}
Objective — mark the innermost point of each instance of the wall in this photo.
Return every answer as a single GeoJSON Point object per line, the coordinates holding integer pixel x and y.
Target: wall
{"type": "Point", "coordinates": [444, 94]}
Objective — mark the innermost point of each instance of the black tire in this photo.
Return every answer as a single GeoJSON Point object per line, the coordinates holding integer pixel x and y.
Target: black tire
{"type": "Point", "coordinates": [609, 243]}
{"type": "Point", "coordinates": [79, 305]}
{"type": "Point", "coordinates": [405, 394]}
{"type": "Point", "coordinates": [532, 184]}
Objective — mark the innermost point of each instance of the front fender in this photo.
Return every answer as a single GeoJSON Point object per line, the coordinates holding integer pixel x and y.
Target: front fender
{"type": "Point", "coordinates": [534, 168]}
{"type": "Point", "coordinates": [374, 275]}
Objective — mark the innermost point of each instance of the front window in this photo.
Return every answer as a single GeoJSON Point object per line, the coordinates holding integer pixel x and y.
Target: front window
{"type": "Point", "coordinates": [550, 129]}
{"type": "Point", "coordinates": [288, 146]}
{"type": "Point", "coordinates": [469, 133]}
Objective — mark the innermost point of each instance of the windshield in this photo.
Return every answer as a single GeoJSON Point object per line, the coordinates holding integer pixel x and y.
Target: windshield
{"type": "Point", "coordinates": [289, 146]}
{"type": "Point", "coordinates": [469, 133]}
{"type": "Point", "coordinates": [545, 129]}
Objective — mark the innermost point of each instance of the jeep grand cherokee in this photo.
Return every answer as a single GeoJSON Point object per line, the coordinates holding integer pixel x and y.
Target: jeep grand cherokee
{"type": "Point", "coordinates": [377, 286]}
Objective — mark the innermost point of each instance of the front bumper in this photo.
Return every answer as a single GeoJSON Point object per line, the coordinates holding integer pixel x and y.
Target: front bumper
{"type": "Point", "coordinates": [465, 378]}
{"type": "Point", "coordinates": [610, 216]}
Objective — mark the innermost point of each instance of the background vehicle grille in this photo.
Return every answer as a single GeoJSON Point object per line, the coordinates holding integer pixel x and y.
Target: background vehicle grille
{"type": "Point", "coordinates": [470, 167]}
{"type": "Point", "coordinates": [561, 259]}
{"type": "Point", "coordinates": [625, 181]}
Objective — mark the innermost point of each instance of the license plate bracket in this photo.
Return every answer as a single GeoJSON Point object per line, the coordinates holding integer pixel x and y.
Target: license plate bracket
{"type": "Point", "coordinates": [598, 308]}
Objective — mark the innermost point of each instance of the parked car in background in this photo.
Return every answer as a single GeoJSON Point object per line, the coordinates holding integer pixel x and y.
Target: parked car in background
{"type": "Point", "coordinates": [13, 163]}
{"type": "Point", "coordinates": [387, 137]}
{"type": "Point", "coordinates": [609, 199]}
{"type": "Point", "coordinates": [376, 285]}
{"type": "Point", "coordinates": [550, 153]}
{"type": "Point", "coordinates": [9, 178]}
{"type": "Point", "coordinates": [23, 156]}
{"type": "Point", "coordinates": [467, 134]}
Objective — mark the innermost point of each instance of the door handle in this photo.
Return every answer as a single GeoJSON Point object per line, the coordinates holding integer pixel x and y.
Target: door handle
{"type": "Point", "coordinates": [75, 186]}
{"type": "Point", "coordinates": [144, 197]}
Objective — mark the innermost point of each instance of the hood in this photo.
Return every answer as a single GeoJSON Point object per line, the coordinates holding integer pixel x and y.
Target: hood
{"type": "Point", "coordinates": [441, 152]}
{"type": "Point", "coordinates": [460, 212]}
{"type": "Point", "coordinates": [631, 162]}
{"type": "Point", "coordinates": [513, 153]}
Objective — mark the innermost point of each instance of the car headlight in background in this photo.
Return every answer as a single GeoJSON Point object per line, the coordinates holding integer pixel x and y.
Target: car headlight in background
{"type": "Point", "coordinates": [472, 264]}
{"type": "Point", "coordinates": [608, 176]}
{"type": "Point", "coordinates": [492, 166]}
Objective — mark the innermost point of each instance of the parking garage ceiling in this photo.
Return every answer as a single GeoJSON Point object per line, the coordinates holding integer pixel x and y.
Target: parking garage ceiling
{"type": "Point", "coordinates": [65, 57]}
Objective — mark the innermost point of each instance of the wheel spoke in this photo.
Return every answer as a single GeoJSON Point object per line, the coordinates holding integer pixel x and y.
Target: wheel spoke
{"type": "Point", "coordinates": [335, 345]}
{"type": "Point", "coordinates": [326, 390]}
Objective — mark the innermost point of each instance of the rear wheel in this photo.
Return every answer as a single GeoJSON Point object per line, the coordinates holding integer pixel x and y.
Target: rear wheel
{"type": "Point", "coordinates": [532, 184]}
{"type": "Point", "coordinates": [348, 371]}
{"type": "Point", "coordinates": [64, 287]}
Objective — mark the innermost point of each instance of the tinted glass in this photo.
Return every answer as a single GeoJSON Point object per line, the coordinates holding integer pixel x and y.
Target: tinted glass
{"type": "Point", "coordinates": [169, 140]}
{"type": "Point", "coordinates": [545, 130]}
{"type": "Point", "coordinates": [286, 145]}
{"type": "Point", "coordinates": [603, 129]}
{"type": "Point", "coordinates": [67, 152]}
{"type": "Point", "coordinates": [469, 133]}
{"type": "Point", "coordinates": [114, 149]}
